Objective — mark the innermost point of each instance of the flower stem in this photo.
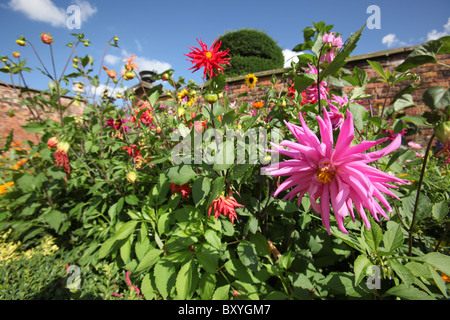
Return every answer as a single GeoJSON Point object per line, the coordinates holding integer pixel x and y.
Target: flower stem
{"type": "Point", "coordinates": [413, 220]}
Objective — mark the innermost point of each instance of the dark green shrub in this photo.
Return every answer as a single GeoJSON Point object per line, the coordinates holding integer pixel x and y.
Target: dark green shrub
{"type": "Point", "coordinates": [251, 51]}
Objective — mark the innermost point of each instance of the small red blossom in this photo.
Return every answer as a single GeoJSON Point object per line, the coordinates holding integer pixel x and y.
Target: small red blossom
{"type": "Point", "coordinates": [146, 116]}
{"type": "Point", "coordinates": [184, 189]}
{"type": "Point", "coordinates": [210, 60]}
{"type": "Point", "coordinates": [52, 142]}
{"type": "Point", "coordinates": [46, 38]}
{"type": "Point", "coordinates": [224, 206]}
{"type": "Point", "coordinates": [134, 152]}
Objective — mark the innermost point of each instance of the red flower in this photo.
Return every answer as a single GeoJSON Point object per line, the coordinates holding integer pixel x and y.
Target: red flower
{"type": "Point", "coordinates": [133, 152]}
{"type": "Point", "coordinates": [210, 59]}
{"type": "Point", "coordinates": [185, 190]}
{"type": "Point", "coordinates": [224, 206]}
{"type": "Point", "coordinates": [46, 38]}
{"type": "Point", "coordinates": [146, 116]}
{"type": "Point", "coordinates": [62, 160]}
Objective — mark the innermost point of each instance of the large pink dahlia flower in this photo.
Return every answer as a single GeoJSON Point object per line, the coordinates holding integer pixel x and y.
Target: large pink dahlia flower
{"type": "Point", "coordinates": [339, 175]}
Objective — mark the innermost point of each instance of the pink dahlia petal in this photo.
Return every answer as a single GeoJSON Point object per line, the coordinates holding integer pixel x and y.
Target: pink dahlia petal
{"type": "Point", "coordinates": [334, 177]}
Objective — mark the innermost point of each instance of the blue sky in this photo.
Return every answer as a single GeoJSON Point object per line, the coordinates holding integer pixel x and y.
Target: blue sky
{"type": "Point", "coordinates": [160, 32]}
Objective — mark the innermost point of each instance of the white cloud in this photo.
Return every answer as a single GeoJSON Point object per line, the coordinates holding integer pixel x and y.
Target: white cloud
{"type": "Point", "coordinates": [138, 44]}
{"type": "Point", "coordinates": [40, 10]}
{"type": "Point", "coordinates": [112, 59]}
{"type": "Point", "coordinates": [86, 10]}
{"type": "Point", "coordinates": [434, 34]}
{"type": "Point", "coordinates": [46, 11]}
{"type": "Point", "coordinates": [290, 56]}
{"type": "Point", "coordinates": [391, 40]}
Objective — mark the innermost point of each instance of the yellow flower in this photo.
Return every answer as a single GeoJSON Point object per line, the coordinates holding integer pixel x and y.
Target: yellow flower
{"type": "Point", "coordinates": [251, 80]}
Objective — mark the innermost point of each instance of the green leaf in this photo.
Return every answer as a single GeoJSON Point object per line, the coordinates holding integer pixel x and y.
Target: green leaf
{"type": "Point", "coordinates": [437, 260]}
{"type": "Point", "coordinates": [213, 239]}
{"type": "Point", "coordinates": [208, 257]}
{"type": "Point", "coordinates": [417, 120]}
{"type": "Point", "coordinates": [131, 199]}
{"type": "Point", "coordinates": [200, 189]}
{"type": "Point", "coordinates": [106, 247]}
{"type": "Point", "coordinates": [378, 68]}
{"type": "Point", "coordinates": [126, 229]}
{"type": "Point", "coordinates": [221, 293]}
{"type": "Point", "coordinates": [247, 255]}
{"type": "Point", "coordinates": [185, 280]}
{"type": "Point", "coordinates": [147, 288]}
{"type": "Point", "coordinates": [55, 219]}
{"type": "Point", "coordinates": [436, 97]}
{"type": "Point", "coordinates": [405, 275]}
{"type": "Point", "coordinates": [180, 174]}
{"type": "Point", "coordinates": [403, 102]}
{"type": "Point", "coordinates": [360, 115]}
{"type": "Point", "coordinates": [408, 293]}
{"type": "Point", "coordinates": [303, 81]}
{"type": "Point", "coordinates": [425, 53]}
{"type": "Point", "coordinates": [150, 258]}
{"type": "Point", "coordinates": [206, 286]}
{"type": "Point", "coordinates": [359, 267]}
{"type": "Point", "coordinates": [440, 210]}
{"type": "Point", "coordinates": [373, 236]}
{"type": "Point", "coordinates": [438, 280]}
{"type": "Point", "coordinates": [166, 277]}
{"type": "Point", "coordinates": [393, 237]}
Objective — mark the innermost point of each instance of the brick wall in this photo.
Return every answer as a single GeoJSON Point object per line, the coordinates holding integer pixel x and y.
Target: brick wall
{"type": "Point", "coordinates": [13, 115]}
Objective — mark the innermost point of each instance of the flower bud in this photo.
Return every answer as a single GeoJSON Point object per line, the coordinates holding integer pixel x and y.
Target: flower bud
{"type": "Point", "coordinates": [63, 146]}
{"type": "Point", "coordinates": [442, 131]}
{"type": "Point", "coordinates": [16, 54]}
{"type": "Point", "coordinates": [52, 142]}
{"type": "Point", "coordinates": [131, 176]}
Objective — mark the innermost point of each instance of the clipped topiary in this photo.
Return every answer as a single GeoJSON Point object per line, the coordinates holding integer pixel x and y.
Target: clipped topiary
{"type": "Point", "coordinates": [251, 51]}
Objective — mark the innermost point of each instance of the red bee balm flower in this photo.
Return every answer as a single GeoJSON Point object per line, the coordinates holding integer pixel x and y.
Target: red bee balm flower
{"type": "Point", "coordinates": [224, 206]}
{"type": "Point", "coordinates": [210, 59]}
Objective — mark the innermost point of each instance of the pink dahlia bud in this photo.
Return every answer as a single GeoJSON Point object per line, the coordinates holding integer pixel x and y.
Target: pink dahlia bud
{"type": "Point", "coordinates": [52, 142]}
{"type": "Point", "coordinates": [442, 131]}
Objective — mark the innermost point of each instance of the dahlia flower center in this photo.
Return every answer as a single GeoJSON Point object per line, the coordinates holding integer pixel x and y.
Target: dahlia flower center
{"type": "Point", "coordinates": [326, 172]}
{"type": "Point", "coordinates": [208, 54]}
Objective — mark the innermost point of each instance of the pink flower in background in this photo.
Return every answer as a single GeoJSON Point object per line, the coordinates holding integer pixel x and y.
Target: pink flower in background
{"type": "Point", "coordinates": [414, 145]}
{"type": "Point", "coordinates": [338, 175]}
{"type": "Point", "coordinates": [312, 93]}
{"type": "Point", "coordinates": [333, 43]}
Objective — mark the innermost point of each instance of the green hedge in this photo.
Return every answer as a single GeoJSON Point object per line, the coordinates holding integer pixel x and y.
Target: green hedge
{"type": "Point", "coordinates": [251, 51]}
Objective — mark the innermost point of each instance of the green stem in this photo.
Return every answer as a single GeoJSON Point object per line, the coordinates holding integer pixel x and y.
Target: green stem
{"type": "Point", "coordinates": [413, 220]}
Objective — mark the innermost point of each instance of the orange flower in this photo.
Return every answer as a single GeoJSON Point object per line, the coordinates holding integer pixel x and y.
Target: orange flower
{"type": "Point", "coordinates": [258, 105]}
{"type": "Point", "coordinates": [46, 38]}
{"type": "Point", "coordinates": [5, 187]}
{"type": "Point", "coordinates": [130, 65]}
{"type": "Point", "coordinates": [224, 206]}
{"type": "Point", "coordinates": [16, 54]}
{"type": "Point", "coordinates": [111, 73]}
